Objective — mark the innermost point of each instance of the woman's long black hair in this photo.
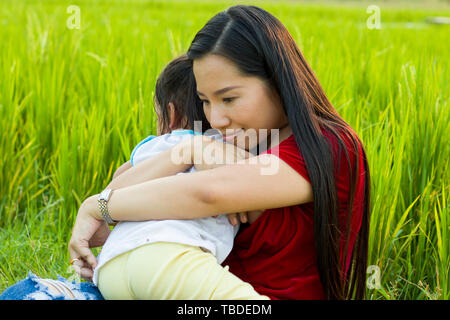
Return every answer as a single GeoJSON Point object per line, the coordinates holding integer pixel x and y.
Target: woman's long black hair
{"type": "Point", "coordinates": [261, 46]}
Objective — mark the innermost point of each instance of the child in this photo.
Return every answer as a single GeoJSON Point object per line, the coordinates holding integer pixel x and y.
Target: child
{"type": "Point", "coordinates": [170, 259]}
{"type": "Point", "coordinates": [182, 258]}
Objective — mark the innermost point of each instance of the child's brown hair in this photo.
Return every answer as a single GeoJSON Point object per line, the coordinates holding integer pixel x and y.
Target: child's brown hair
{"type": "Point", "coordinates": [176, 84]}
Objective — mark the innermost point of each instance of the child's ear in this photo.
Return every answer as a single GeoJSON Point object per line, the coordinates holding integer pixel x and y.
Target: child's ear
{"type": "Point", "coordinates": [172, 116]}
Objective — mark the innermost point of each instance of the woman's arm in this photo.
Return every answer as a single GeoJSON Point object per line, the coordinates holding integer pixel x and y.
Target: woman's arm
{"type": "Point", "coordinates": [207, 193]}
{"type": "Point", "coordinates": [247, 185]}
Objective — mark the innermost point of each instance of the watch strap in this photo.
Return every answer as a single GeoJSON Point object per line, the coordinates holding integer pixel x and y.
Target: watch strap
{"type": "Point", "coordinates": [103, 205]}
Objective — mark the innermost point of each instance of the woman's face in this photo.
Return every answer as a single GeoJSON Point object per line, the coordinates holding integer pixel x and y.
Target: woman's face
{"type": "Point", "coordinates": [234, 103]}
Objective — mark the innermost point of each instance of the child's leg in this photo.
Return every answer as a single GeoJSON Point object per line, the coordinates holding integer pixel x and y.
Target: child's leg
{"type": "Point", "coordinates": [111, 279]}
{"type": "Point", "coordinates": [165, 270]}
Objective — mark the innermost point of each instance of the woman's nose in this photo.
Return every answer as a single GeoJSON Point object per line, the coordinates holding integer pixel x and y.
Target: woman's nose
{"type": "Point", "coordinates": [218, 118]}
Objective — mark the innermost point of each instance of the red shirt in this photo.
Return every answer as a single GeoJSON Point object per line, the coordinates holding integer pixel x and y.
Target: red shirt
{"type": "Point", "coordinates": [276, 253]}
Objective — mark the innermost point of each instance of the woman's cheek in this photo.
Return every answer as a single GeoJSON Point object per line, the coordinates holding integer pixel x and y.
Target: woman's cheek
{"type": "Point", "coordinates": [207, 112]}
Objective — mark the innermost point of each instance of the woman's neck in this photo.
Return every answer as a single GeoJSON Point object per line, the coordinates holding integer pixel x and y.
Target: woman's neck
{"type": "Point", "coordinates": [283, 133]}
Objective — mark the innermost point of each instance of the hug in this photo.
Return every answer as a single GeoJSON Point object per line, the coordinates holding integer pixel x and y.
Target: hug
{"type": "Point", "coordinates": [223, 230]}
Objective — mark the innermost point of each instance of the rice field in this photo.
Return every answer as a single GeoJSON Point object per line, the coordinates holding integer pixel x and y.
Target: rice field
{"type": "Point", "coordinates": [74, 102]}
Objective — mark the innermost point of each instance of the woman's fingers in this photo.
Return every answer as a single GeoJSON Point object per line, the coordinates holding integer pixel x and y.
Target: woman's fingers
{"type": "Point", "coordinates": [87, 229]}
{"type": "Point", "coordinates": [87, 255]}
{"type": "Point", "coordinates": [83, 269]}
{"type": "Point", "coordinates": [86, 273]}
{"type": "Point", "coordinates": [78, 264]}
{"type": "Point", "coordinates": [243, 217]}
{"type": "Point", "coordinates": [79, 249]}
{"type": "Point", "coordinates": [232, 217]}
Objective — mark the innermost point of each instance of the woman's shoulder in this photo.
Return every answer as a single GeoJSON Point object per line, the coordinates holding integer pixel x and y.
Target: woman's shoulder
{"type": "Point", "coordinates": [288, 151]}
{"type": "Point", "coordinates": [344, 136]}
{"type": "Point", "coordinates": [344, 145]}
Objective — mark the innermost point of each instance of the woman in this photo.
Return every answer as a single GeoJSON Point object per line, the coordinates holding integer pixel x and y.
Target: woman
{"type": "Point", "coordinates": [251, 75]}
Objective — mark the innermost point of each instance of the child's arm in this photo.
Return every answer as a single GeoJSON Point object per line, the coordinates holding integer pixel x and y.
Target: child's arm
{"type": "Point", "coordinates": [158, 166]}
{"type": "Point", "coordinates": [162, 165]}
{"type": "Point", "coordinates": [122, 169]}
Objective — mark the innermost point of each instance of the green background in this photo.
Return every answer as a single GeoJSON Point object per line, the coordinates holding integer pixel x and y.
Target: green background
{"type": "Point", "coordinates": [74, 103]}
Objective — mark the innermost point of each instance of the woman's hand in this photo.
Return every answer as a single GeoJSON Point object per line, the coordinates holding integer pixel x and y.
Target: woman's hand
{"type": "Point", "coordinates": [100, 236]}
{"type": "Point", "coordinates": [234, 218]}
{"type": "Point", "coordinates": [243, 217]}
{"type": "Point", "coordinates": [207, 153]}
{"type": "Point", "coordinates": [88, 231]}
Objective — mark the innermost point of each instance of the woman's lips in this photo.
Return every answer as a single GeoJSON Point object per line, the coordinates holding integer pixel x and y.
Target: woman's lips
{"type": "Point", "coordinates": [230, 137]}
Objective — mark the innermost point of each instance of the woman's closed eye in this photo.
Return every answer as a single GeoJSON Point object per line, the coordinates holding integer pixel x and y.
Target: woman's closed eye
{"type": "Point", "coordinates": [225, 100]}
{"type": "Point", "coordinates": [229, 100]}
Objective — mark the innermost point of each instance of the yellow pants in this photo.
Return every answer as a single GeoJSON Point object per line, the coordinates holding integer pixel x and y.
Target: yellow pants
{"type": "Point", "coordinates": [171, 271]}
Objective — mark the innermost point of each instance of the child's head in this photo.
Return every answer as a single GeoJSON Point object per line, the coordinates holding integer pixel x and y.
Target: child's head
{"type": "Point", "coordinates": [177, 105]}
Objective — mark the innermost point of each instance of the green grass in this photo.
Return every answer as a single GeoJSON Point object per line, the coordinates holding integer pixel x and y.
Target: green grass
{"type": "Point", "coordinates": [73, 104]}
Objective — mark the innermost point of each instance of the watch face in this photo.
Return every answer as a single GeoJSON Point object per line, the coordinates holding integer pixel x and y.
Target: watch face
{"type": "Point", "coordinates": [105, 194]}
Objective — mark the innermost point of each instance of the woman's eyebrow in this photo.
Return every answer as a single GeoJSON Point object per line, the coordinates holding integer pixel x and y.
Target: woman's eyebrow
{"type": "Point", "coordinates": [220, 91]}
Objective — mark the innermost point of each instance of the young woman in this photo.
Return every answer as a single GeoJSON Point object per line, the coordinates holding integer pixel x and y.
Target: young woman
{"type": "Point", "coordinates": [251, 76]}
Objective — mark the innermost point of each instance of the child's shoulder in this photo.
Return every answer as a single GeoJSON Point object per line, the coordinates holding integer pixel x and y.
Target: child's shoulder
{"type": "Point", "coordinates": [172, 136]}
{"type": "Point", "coordinates": [152, 144]}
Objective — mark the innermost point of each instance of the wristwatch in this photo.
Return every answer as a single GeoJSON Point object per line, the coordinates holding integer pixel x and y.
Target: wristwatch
{"type": "Point", "coordinates": [103, 205]}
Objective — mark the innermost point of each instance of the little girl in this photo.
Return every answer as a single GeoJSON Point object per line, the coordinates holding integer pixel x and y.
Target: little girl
{"type": "Point", "coordinates": [170, 259]}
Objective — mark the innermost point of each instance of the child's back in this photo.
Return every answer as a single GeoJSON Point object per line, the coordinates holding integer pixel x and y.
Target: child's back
{"type": "Point", "coordinates": [215, 235]}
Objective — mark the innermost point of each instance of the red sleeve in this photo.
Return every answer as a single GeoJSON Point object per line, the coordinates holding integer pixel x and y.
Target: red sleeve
{"type": "Point", "coordinates": [288, 151]}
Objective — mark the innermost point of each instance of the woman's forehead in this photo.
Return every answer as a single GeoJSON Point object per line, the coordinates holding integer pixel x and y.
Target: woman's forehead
{"type": "Point", "coordinates": [215, 67]}
{"type": "Point", "coordinates": [214, 73]}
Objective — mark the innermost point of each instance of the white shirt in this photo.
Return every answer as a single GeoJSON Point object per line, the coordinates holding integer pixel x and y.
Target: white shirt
{"type": "Point", "coordinates": [211, 234]}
